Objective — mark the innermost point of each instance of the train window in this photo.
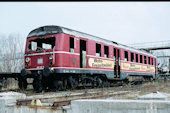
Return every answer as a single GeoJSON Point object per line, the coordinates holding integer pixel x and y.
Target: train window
{"type": "Point", "coordinates": [106, 51]}
{"type": "Point", "coordinates": [152, 61]}
{"type": "Point", "coordinates": [136, 57]}
{"type": "Point", "coordinates": [41, 44]}
{"type": "Point", "coordinates": [145, 60]}
{"type": "Point", "coordinates": [98, 49]}
{"type": "Point", "coordinates": [32, 46]}
{"type": "Point", "coordinates": [132, 57]}
{"type": "Point", "coordinates": [126, 56]}
{"type": "Point", "coordinates": [141, 59]}
{"type": "Point", "coordinates": [114, 51]}
{"type": "Point", "coordinates": [29, 46]}
{"type": "Point", "coordinates": [71, 44]}
{"type": "Point", "coordinates": [149, 60]}
{"type": "Point", "coordinates": [47, 46]}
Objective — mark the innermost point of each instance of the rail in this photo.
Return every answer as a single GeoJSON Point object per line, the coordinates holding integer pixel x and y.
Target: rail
{"type": "Point", "coordinates": [66, 100]}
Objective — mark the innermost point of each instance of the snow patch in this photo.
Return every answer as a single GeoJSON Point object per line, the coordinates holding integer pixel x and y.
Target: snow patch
{"type": "Point", "coordinates": [154, 96]}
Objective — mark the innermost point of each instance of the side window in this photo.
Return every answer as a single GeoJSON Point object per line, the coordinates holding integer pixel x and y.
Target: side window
{"type": "Point", "coordinates": [106, 51]}
{"type": "Point", "coordinates": [126, 56]}
{"type": "Point", "coordinates": [132, 57]}
{"type": "Point", "coordinates": [71, 44]}
{"type": "Point", "coordinates": [141, 59]}
{"type": "Point", "coordinates": [145, 60]}
{"type": "Point", "coordinates": [149, 60]}
{"type": "Point", "coordinates": [136, 57]}
{"type": "Point", "coordinates": [98, 49]}
{"type": "Point", "coordinates": [114, 55]}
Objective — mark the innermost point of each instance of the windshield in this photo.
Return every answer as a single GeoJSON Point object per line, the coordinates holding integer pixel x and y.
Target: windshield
{"type": "Point", "coordinates": [41, 44]}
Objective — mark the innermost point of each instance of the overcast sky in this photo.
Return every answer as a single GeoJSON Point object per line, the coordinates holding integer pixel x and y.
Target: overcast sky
{"type": "Point", "coordinates": [123, 22]}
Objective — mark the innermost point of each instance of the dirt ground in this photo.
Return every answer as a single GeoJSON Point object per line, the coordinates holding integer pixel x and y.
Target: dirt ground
{"type": "Point", "coordinates": [159, 85]}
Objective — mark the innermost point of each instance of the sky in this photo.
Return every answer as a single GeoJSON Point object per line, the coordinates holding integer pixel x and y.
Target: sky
{"type": "Point", "coordinates": [123, 22]}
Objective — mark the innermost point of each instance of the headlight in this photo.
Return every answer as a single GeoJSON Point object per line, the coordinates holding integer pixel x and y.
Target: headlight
{"type": "Point", "coordinates": [27, 59]}
{"type": "Point", "coordinates": [52, 69]}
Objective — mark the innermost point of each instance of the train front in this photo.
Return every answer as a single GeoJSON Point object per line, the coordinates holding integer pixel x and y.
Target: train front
{"type": "Point", "coordinates": [39, 55]}
{"type": "Point", "coordinates": [39, 51]}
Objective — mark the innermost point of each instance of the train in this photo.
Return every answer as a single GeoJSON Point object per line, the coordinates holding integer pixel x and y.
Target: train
{"type": "Point", "coordinates": [59, 58]}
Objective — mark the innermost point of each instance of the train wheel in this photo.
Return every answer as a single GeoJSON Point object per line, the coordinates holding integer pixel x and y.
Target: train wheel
{"type": "Point", "coordinates": [22, 83]}
{"type": "Point", "coordinates": [61, 85]}
{"type": "Point", "coordinates": [94, 82]}
{"type": "Point", "coordinates": [84, 83]}
{"type": "Point", "coordinates": [45, 83]}
{"type": "Point", "coordinates": [65, 84]}
{"type": "Point", "coordinates": [37, 84]}
{"type": "Point", "coordinates": [106, 84]}
{"type": "Point", "coordinates": [58, 85]}
{"type": "Point", "coordinates": [72, 83]}
{"type": "Point", "coordinates": [99, 82]}
{"type": "Point", "coordinates": [151, 79]}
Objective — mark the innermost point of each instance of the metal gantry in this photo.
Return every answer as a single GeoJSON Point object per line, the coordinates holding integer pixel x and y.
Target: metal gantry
{"type": "Point", "coordinates": [159, 45]}
{"type": "Point", "coordinates": [161, 49]}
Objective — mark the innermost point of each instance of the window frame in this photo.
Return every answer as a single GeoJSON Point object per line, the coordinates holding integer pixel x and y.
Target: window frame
{"type": "Point", "coordinates": [137, 59]}
{"type": "Point", "coordinates": [141, 58]}
{"type": "Point", "coordinates": [132, 58]}
{"type": "Point", "coordinates": [125, 55]}
{"type": "Point", "coordinates": [145, 59]}
{"type": "Point", "coordinates": [107, 54]}
{"type": "Point", "coordinates": [71, 42]}
{"type": "Point", "coordinates": [100, 51]}
{"type": "Point", "coordinates": [149, 60]}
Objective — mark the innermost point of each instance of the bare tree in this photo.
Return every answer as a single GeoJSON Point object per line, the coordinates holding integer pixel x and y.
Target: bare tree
{"type": "Point", "coordinates": [12, 53]}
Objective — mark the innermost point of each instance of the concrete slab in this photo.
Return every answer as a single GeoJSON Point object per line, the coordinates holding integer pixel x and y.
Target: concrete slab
{"type": "Point", "coordinates": [119, 106]}
{"type": "Point", "coordinates": [8, 101]}
{"type": "Point", "coordinates": [12, 94]}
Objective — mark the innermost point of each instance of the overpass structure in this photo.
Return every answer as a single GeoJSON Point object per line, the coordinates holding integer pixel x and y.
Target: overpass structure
{"type": "Point", "coordinates": [152, 46]}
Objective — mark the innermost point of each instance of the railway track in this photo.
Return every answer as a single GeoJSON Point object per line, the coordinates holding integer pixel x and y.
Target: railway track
{"type": "Point", "coordinates": [66, 98]}
{"type": "Point", "coordinates": [60, 101]}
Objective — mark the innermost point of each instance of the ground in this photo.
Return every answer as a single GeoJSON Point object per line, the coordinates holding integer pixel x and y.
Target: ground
{"type": "Point", "coordinates": [159, 85]}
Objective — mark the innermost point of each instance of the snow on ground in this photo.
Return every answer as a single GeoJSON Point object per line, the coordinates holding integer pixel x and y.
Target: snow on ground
{"type": "Point", "coordinates": [154, 96]}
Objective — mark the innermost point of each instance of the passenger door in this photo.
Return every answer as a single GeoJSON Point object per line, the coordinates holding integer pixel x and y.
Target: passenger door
{"type": "Point", "coordinates": [116, 58]}
{"type": "Point", "coordinates": [83, 56]}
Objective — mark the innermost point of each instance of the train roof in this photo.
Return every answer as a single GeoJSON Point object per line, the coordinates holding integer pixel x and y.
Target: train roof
{"type": "Point", "coordinates": [52, 29]}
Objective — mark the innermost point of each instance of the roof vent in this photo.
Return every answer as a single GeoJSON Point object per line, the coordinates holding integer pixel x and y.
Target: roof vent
{"type": "Point", "coordinates": [114, 42]}
{"type": "Point", "coordinates": [42, 28]}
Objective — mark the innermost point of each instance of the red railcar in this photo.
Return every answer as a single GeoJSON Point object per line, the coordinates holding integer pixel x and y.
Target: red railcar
{"type": "Point", "coordinates": [61, 58]}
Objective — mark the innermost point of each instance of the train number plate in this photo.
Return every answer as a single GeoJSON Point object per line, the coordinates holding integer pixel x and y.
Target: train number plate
{"type": "Point", "coordinates": [40, 61]}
